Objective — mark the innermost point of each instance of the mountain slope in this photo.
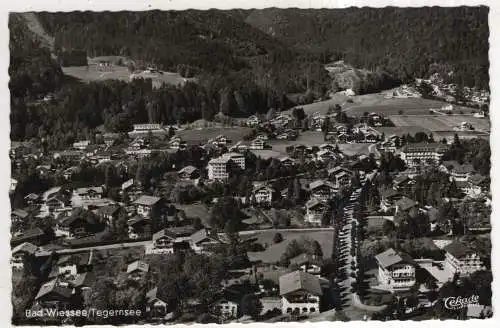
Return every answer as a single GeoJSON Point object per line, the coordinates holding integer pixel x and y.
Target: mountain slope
{"type": "Point", "coordinates": [210, 40]}
{"type": "Point", "coordinates": [403, 40]}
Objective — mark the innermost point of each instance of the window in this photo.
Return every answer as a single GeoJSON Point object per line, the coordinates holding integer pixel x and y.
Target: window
{"type": "Point", "coordinates": [304, 310]}
{"type": "Point", "coordinates": [289, 310]}
{"type": "Point", "coordinates": [312, 309]}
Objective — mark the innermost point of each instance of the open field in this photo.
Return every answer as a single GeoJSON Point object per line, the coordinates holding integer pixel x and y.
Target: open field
{"type": "Point", "coordinates": [379, 104]}
{"type": "Point", "coordinates": [440, 122]}
{"type": "Point", "coordinates": [266, 153]}
{"type": "Point", "coordinates": [115, 72]}
{"type": "Point", "coordinates": [202, 135]}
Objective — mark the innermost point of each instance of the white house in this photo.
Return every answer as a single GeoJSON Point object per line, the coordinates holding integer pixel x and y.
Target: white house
{"type": "Point", "coordinates": [461, 259]}
{"type": "Point", "coordinates": [300, 293]}
{"type": "Point", "coordinates": [263, 194]}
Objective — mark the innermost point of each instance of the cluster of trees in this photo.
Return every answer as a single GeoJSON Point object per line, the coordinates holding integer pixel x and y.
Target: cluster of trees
{"type": "Point", "coordinates": [474, 151]}
{"type": "Point", "coordinates": [297, 247]}
{"type": "Point", "coordinates": [80, 108]}
{"type": "Point", "coordinates": [431, 186]}
{"type": "Point", "coordinates": [226, 215]}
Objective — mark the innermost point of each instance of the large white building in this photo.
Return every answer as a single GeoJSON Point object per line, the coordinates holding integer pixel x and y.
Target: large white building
{"type": "Point", "coordinates": [423, 153]}
{"type": "Point", "coordinates": [461, 259]}
{"type": "Point", "coordinates": [396, 271]}
{"type": "Point", "coordinates": [218, 167]}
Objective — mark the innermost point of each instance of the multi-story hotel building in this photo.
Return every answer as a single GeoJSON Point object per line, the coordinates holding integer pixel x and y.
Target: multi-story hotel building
{"type": "Point", "coordinates": [396, 271]}
{"type": "Point", "coordinates": [423, 153]}
{"type": "Point", "coordinates": [218, 167]}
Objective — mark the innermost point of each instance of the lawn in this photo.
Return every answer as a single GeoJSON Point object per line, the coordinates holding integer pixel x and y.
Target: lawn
{"type": "Point", "coordinates": [196, 210]}
{"type": "Point", "coordinates": [115, 72]}
{"type": "Point", "coordinates": [376, 102]}
{"type": "Point", "coordinates": [440, 122]}
{"type": "Point", "coordinates": [202, 135]}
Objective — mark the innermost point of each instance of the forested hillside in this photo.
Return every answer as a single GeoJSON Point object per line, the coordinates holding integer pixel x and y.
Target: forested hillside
{"type": "Point", "coordinates": [403, 41]}
{"type": "Point", "coordinates": [245, 61]}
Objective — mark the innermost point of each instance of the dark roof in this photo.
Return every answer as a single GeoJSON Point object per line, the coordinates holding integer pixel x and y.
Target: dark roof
{"type": "Point", "coordinates": [28, 234]}
{"type": "Point", "coordinates": [299, 281]}
{"type": "Point", "coordinates": [457, 249]}
{"type": "Point", "coordinates": [83, 279]}
{"type": "Point", "coordinates": [391, 257]}
{"type": "Point", "coordinates": [200, 235]}
{"type": "Point", "coordinates": [147, 200]}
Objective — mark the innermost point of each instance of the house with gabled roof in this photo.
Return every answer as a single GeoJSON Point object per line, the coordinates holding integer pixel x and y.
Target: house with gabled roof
{"type": "Point", "coordinates": [52, 295]}
{"type": "Point", "coordinates": [20, 253]}
{"type": "Point", "coordinates": [72, 264]}
{"type": "Point", "coordinates": [457, 171]}
{"type": "Point", "coordinates": [300, 293]}
{"type": "Point", "coordinates": [137, 270]}
{"type": "Point", "coordinates": [315, 209]}
{"type": "Point", "coordinates": [157, 305]}
{"type": "Point", "coordinates": [308, 263]}
{"type": "Point", "coordinates": [203, 240]}
{"type": "Point", "coordinates": [396, 270]}
{"type": "Point", "coordinates": [146, 205]}
{"type": "Point", "coordinates": [340, 176]}
{"type": "Point", "coordinates": [139, 227]}
{"type": "Point", "coordinates": [322, 190]}
{"type": "Point", "coordinates": [189, 173]}
{"type": "Point", "coordinates": [263, 193]}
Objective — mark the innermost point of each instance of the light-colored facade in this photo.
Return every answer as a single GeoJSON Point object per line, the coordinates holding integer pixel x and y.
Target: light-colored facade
{"type": "Point", "coordinates": [304, 303]}
{"type": "Point", "coordinates": [263, 194]}
{"type": "Point", "coordinates": [422, 153]}
{"type": "Point", "coordinates": [218, 167]}
{"type": "Point", "coordinates": [315, 210]}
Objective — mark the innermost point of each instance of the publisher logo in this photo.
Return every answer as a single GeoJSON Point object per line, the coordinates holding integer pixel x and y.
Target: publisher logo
{"type": "Point", "coordinates": [459, 302]}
